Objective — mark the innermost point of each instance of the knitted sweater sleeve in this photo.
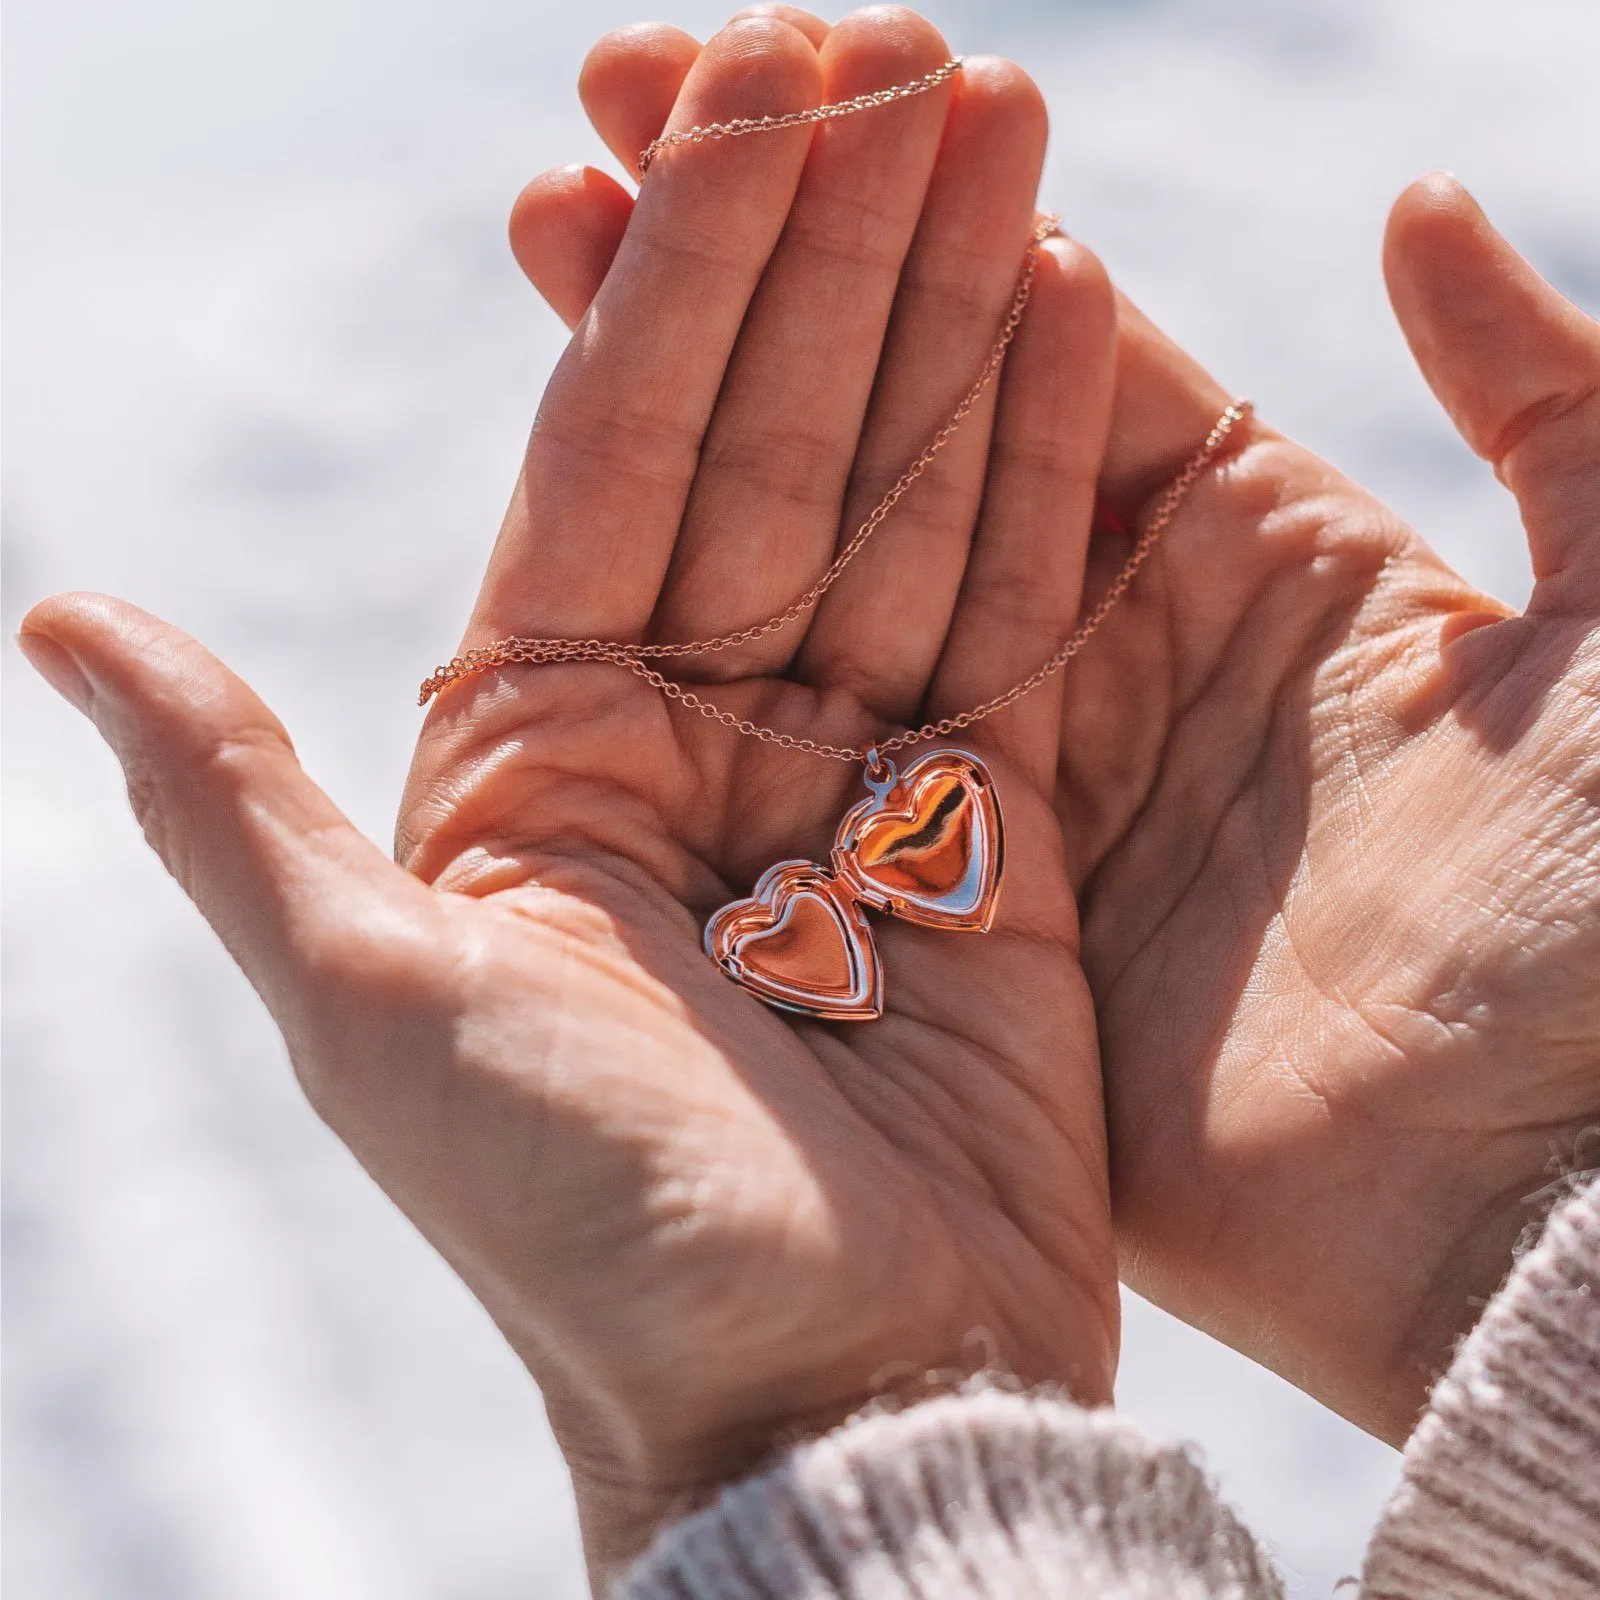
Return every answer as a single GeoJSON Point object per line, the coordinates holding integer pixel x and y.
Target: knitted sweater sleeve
{"type": "Point", "coordinates": [992, 1495]}
{"type": "Point", "coordinates": [1500, 1498]}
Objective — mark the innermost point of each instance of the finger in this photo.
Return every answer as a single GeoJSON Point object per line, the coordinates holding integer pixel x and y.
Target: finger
{"type": "Point", "coordinates": [631, 77]}
{"type": "Point", "coordinates": [879, 632]}
{"type": "Point", "coordinates": [1515, 364]}
{"type": "Point", "coordinates": [630, 81]}
{"type": "Point", "coordinates": [1165, 405]}
{"type": "Point", "coordinates": [618, 437]}
{"type": "Point", "coordinates": [812, 26]}
{"type": "Point", "coordinates": [565, 229]}
{"type": "Point", "coordinates": [564, 233]}
{"type": "Point", "coordinates": [1019, 599]}
{"type": "Point", "coordinates": [1166, 401]}
{"type": "Point", "coordinates": [283, 877]}
{"type": "Point", "coordinates": [763, 517]}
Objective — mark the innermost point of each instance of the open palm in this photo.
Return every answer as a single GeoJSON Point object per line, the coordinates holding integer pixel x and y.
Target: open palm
{"type": "Point", "coordinates": [1341, 886]}
{"type": "Point", "coordinates": [700, 1221]}
{"type": "Point", "coordinates": [1333, 814]}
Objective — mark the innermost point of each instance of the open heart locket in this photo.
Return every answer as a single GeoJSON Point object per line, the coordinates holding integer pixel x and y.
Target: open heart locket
{"type": "Point", "coordinates": [927, 845]}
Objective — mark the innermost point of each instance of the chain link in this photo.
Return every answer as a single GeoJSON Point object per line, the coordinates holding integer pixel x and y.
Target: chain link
{"type": "Point", "coordinates": [740, 126]}
{"type": "Point", "coordinates": [1166, 509]}
{"type": "Point", "coordinates": [636, 658]}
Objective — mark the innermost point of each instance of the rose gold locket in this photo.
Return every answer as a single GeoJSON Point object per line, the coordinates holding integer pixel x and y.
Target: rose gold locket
{"type": "Point", "coordinates": [927, 845]}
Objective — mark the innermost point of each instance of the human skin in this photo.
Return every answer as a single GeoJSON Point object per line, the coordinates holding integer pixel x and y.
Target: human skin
{"type": "Point", "coordinates": [704, 1225]}
{"type": "Point", "coordinates": [1336, 860]}
{"type": "Point", "coordinates": [1333, 815]}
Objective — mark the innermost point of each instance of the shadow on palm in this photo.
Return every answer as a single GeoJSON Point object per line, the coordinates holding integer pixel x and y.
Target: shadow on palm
{"type": "Point", "coordinates": [823, 1206]}
{"type": "Point", "coordinates": [1338, 891]}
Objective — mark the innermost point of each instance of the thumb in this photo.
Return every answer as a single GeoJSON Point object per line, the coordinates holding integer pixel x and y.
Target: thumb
{"type": "Point", "coordinates": [283, 877]}
{"type": "Point", "coordinates": [1515, 364]}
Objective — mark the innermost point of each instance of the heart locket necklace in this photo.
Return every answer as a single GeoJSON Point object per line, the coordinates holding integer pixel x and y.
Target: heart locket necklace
{"type": "Point", "coordinates": [926, 845]}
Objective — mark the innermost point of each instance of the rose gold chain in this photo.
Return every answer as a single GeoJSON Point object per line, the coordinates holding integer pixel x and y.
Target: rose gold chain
{"type": "Point", "coordinates": [636, 658]}
{"type": "Point", "coordinates": [740, 126]}
{"type": "Point", "coordinates": [1166, 509]}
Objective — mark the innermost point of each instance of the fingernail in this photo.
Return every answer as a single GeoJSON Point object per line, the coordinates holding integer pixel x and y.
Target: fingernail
{"type": "Point", "coordinates": [56, 666]}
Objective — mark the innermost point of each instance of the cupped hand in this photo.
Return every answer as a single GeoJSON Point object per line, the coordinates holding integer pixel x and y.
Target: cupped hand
{"type": "Point", "coordinates": [1333, 814]}
{"type": "Point", "coordinates": [700, 1222]}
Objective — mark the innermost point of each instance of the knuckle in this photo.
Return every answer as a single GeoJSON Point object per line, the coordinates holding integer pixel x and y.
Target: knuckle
{"type": "Point", "coordinates": [1017, 599]}
{"type": "Point", "coordinates": [865, 238]}
{"type": "Point", "coordinates": [652, 451]}
{"type": "Point", "coordinates": [145, 800]}
{"type": "Point", "coordinates": [800, 468]}
{"type": "Point", "coordinates": [962, 286]}
{"type": "Point", "coordinates": [1545, 418]}
{"type": "Point", "coordinates": [856, 682]}
{"type": "Point", "coordinates": [1038, 461]}
{"type": "Point", "coordinates": [163, 769]}
{"type": "Point", "coordinates": [232, 760]}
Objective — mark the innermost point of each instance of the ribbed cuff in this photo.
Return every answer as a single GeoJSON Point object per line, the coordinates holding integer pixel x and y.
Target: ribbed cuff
{"type": "Point", "coordinates": [1501, 1494]}
{"type": "Point", "coordinates": [987, 1494]}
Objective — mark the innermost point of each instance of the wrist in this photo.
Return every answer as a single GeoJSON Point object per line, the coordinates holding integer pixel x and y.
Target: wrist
{"type": "Point", "coordinates": [1028, 1485]}
{"type": "Point", "coordinates": [1507, 1215]}
{"type": "Point", "coordinates": [635, 1472]}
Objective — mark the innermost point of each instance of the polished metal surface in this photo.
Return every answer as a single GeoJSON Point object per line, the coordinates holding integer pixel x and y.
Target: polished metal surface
{"type": "Point", "coordinates": [800, 942]}
{"type": "Point", "coordinates": [928, 847]}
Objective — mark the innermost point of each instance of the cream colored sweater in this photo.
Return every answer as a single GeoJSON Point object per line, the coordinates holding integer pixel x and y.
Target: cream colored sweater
{"type": "Point", "coordinates": [1002, 1496]}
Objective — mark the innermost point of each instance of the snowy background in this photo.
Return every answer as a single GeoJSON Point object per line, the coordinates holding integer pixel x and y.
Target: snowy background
{"type": "Point", "coordinates": [269, 371]}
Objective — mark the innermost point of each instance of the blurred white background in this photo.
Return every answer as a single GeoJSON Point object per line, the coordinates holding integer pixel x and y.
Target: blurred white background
{"type": "Point", "coordinates": [269, 370]}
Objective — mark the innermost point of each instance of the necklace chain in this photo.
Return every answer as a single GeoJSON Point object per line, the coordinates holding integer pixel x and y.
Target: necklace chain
{"type": "Point", "coordinates": [740, 126]}
{"type": "Point", "coordinates": [636, 658]}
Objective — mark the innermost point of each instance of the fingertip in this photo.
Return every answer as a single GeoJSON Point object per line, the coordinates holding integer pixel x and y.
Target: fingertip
{"type": "Point", "coordinates": [879, 47]}
{"type": "Point", "coordinates": [753, 67]}
{"type": "Point", "coordinates": [47, 638]}
{"type": "Point", "coordinates": [549, 188]}
{"type": "Point", "coordinates": [140, 668]}
{"type": "Point", "coordinates": [1074, 314]}
{"type": "Point", "coordinates": [756, 57]}
{"type": "Point", "coordinates": [893, 27]}
{"type": "Point", "coordinates": [1433, 222]}
{"type": "Point", "coordinates": [1074, 290]}
{"type": "Point", "coordinates": [564, 229]}
{"type": "Point", "coordinates": [75, 619]}
{"type": "Point", "coordinates": [57, 666]}
{"type": "Point", "coordinates": [1514, 363]}
{"type": "Point", "coordinates": [1484, 326]}
{"type": "Point", "coordinates": [629, 81]}
{"type": "Point", "coordinates": [813, 27]}
{"type": "Point", "coordinates": [628, 59]}
{"type": "Point", "coordinates": [1076, 271]}
{"type": "Point", "coordinates": [1003, 90]}
{"type": "Point", "coordinates": [1434, 191]}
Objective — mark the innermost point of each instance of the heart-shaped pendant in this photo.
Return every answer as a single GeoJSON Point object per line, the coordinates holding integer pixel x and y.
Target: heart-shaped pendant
{"type": "Point", "coordinates": [928, 846]}
{"type": "Point", "coordinates": [800, 942]}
